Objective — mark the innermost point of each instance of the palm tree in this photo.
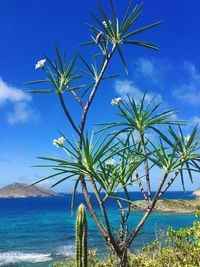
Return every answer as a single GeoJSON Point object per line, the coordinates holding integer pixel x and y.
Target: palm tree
{"type": "Point", "coordinates": [105, 160]}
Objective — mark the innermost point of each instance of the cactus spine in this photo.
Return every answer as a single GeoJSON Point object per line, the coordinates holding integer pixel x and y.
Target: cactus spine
{"type": "Point", "coordinates": [81, 237]}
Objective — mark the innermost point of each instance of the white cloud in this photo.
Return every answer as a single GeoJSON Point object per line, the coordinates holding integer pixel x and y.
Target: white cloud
{"type": "Point", "coordinates": [146, 67]}
{"type": "Point", "coordinates": [22, 111]}
{"type": "Point", "coordinates": [189, 89]}
{"type": "Point", "coordinates": [181, 79]}
{"type": "Point", "coordinates": [11, 94]}
{"type": "Point", "coordinates": [153, 71]}
{"type": "Point", "coordinates": [126, 88]}
{"type": "Point", "coordinates": [20, 114]}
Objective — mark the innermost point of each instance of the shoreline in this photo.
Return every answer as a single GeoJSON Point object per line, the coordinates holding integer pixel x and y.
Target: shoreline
{"type": "Point", "coordinates": [170, 206]}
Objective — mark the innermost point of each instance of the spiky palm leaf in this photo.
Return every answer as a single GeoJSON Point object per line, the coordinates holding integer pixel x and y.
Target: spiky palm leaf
{"type": "Point", "coordinates": [180, 152]}
{"type": "Point", "coordinates": [59, 75]}
{"type": "Point", "coordinates": [115, 33]}
{"type": "Point", "coordinates": [143, 116]}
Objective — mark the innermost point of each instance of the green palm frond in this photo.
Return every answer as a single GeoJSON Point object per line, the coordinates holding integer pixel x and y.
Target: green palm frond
{"type": "Point", "coordinates": [110, 30]}
{"type": "Point", "coordinates": [184, 151]}
{"type": "Point", "coordinates": [97, 163]}
{"type": "Point", "coordinates": [143, 116]}
{"type": "Point", "coordinates": [59, 75]}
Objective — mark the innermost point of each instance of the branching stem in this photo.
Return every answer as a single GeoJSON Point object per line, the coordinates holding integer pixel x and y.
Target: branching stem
{"type": "Point", "coordinates": [107, 234]}
{"type": "Point", "coordinates": [76, 97]}
{"type": "Point", "coordinates": [159, 193]}
{"type": "Point", "coordinates": [146, 167]}
{"type": "Point", "coordinates": [67, 113]}
{"type": "Point", "coordinates": [141, 186]}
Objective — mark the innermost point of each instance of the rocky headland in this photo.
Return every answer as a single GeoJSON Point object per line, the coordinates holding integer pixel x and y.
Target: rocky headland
{"type": "Point", "coordinates": [176, 206]}
{"type": "Point", "coordinates": [20, 190]}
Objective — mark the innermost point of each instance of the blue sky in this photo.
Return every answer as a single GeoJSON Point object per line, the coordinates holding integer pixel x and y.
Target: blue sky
{"type": "Point", "coordinates": [30, 29]}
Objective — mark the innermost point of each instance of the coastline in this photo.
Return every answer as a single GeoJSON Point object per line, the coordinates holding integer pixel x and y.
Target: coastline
{"type": "Point", "coordinates": [38, 227]}
{"type": "Point", "coordinates": [170, 206]}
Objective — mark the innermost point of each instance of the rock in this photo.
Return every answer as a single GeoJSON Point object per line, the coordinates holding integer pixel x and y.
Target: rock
{"type": "Point", "coordinates": [177, 206]}
{"type": "Point", "coordinates": [20, 190]}
{"type": "Point", "coordinates": [197, 192]}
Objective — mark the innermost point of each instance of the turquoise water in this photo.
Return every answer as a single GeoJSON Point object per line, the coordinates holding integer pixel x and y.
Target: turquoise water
{"type": "Point", "coordinates": [36, 231]}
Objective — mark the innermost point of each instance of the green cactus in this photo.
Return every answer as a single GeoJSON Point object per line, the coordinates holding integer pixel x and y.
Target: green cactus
{"type": "Point", "coordinates": [81, 237]}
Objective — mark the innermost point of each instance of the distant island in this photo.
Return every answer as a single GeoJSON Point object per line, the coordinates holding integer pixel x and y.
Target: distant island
{"type": "Point", "coordinates": [21, 190]}
{"type": "Point", "coordinates": [176, 206]}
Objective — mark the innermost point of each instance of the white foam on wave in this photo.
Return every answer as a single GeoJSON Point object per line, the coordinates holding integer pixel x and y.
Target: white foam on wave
{"type": "Point", "coordinates": [66, 251]}
{"type": "Point", "coordinates": [17, 257]}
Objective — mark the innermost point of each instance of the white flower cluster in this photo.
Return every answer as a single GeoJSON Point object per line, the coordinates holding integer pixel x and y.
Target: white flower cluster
{"type": "Point", "coordinates": [187, 138]}
{"type": "Point", "coordinates": [59, 142]}
{"type": "Point", "coordinates": [115, 101]}
{"type": "Point", "coordinates": [40, 64]}
{"type": "Point", "coordinates": [110, 162]}
{"type": "Point", "coordinates": [105, 24]}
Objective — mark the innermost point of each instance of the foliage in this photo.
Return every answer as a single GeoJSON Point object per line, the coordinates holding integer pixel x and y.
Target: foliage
{"type": "Point", "coordinates": [93, 261]}
{"type": "Point", "coordinates": [179, 249]}
{"type": "Point", "coordinates": [81, 237]}
{"type": "Point", "coordinates": [123, 153]}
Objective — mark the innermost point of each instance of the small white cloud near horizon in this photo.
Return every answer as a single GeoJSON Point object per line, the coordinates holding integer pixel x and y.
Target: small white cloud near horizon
{"type": "Point", "coordinates": [22, 111]}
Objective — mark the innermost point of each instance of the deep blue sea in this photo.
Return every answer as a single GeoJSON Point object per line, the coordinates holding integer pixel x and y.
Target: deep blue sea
{"type": "Point", "coordinates": [37, 231]}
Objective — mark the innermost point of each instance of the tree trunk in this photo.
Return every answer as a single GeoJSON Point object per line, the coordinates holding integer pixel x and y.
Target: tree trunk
{"type": "Point", "coordinates": [123, 259]}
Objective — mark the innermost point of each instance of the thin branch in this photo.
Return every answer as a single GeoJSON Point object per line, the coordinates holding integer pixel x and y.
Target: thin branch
{"type": "Point", "coordinates": [129, 204]}
{"type": "Point", "coordinates": [124, 217]}
{"type": "Point", "coordinates": [105, 198]}
{"type": "Point", "coordinates": [159, 193]}
{"type": "Point", "coordinates": [67, 113]}
{"type": "Point", "coordinates": [146, 167]}
{"type": "Point", "coordinates": [94, 90]}
{"type": "Point", "coordinates": [122, 221]}
{"type": "Point", "coordinates": [82, 126]}
{"type": "Point", "coordinates": [76, 97]}
{"type": "Point", "coordinates": [139, 226]}
{"type": "Point", "coordinates": [102, 207]}
{"type": "Point", "coordinates": [146, 214]}
{"type": "Point", "coordinates": [91, 209]}
{"type": "Point", "coordinates": [141, 187]}
{"type": "Point", "coordinates": [169, 183]}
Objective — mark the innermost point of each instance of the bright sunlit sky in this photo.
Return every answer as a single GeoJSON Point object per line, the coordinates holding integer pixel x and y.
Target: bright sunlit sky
{"type": "Point", "coordinates": [30, 29]}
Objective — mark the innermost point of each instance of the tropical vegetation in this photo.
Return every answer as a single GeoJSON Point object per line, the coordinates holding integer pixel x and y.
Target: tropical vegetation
{"type": "Point", "coordinates": [145, 138]}
{"type": "Point", "coordinates": [174, 249]}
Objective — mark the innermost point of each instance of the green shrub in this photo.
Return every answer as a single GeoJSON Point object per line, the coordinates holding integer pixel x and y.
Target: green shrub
{"type": "Point", "coordinates": [178, 249]}
{"type": "Point", "coordinates": [198, 207]}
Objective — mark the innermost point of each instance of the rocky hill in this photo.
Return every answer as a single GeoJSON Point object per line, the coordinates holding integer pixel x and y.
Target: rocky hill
{"type": "Point", "coordinates": [18, 190]}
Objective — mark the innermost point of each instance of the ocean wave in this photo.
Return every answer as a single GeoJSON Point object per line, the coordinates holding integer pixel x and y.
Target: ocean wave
{"type": "Point", "coordinates": [17, 257]}
{"type": "Point", "coordinates": [66, 251]}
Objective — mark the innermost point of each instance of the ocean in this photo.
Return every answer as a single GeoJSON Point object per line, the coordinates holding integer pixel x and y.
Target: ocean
{"type": "Point", "coordinates": [38, 231]}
